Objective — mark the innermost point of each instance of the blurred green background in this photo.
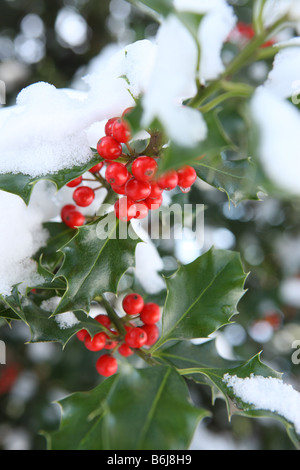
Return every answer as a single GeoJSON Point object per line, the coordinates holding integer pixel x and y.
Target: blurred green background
{"type": "Point", "coordinates": [54, 41]}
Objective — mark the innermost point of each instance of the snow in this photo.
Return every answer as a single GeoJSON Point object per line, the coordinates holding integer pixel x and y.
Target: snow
{"type": "Point", "coordinates": [148, 263]}
{"type": "Point", "coordinates": [275, 9]}
{"type": "Point", "coordinates": [43, 133]}
{"type": "Point", "coordinates": [278, 123]}
{"type": "Point", "coordinates": [109, 92]}
{"type": "Point", "coordinates": [218, 21]}
{"type": "Point", "coordinates": [135, 61]}
{"type": "Point", "coordinates": [283, 79]}
{"type": "Point", "coordinates": [200, 6]}
{"type": "Point", "coordinates": [64, 320]}
{"type": "Point", "coordinates": [267, 393]}
{"type": "Point", "coordinates": [171, 81]}
{"type": "Point", "coordinates": [22, 233]}
{"type": "Point", "coordinates": [213, 31]}
{"type": "Point", "coordinates": [48, 129]}
{"type": "Point", "coordinates": [21, 236]}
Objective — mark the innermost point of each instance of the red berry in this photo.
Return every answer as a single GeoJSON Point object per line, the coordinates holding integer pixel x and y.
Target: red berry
{"type": "Point", "coordinates": [84, 196]}
{"type": "Point", "coordinates": [121, 131]}
{"type": "Point", "coordinates": [125, 350]}
{"type": "Point", "coordinates": [118, 189]}
{"type": "Point", "coordinates": [152, 332]}
{"type": "Point", "coordinates": [104, 320]}
{"type": "Point", "coordinates": [144, 168]}
{"type": "Point", "coordinates": [66, 209]}
{"type": "Point", "coordinates": [73, 219]}
{"type": "Point", "coordinates": [82, 334]}
{"type": "Point", "coordinates": [116, 174]}
{"type": "Point", "coordinates": [245, 30]}
{"type": "Point", "coordinates": [127, 110]}
{"type": "Point", "coordinates": [74, 182]}
{"type": "Point", "coordinates": [168, 180]}
{"type": "Point", "coordinates": [133, 304]}
{"type": "Point", "coordinates": [109, 148]}
{"type": "Point", "coordinates": [96, 343]}
{"type": "Point", "coordinates": [156, 191]}
{"type": "Point", "coordinates": [154, 204]}
{"type": "Point", "coordinates": [137, 190]}
{"type": "Point", "coordinates": [96, 168]}
{"type": "Point", "coordinates": [108, 126]}
{"type": "Point", "coordinates": [186, 176]}
{"type": "Point", "coordinates": [150, 313]}
{"type": "Point", "coordinates": [141, 210]}
{"type": "Point", "coordinates": [129, 327]}
{"type": "Point", "coordinates": [125, 209]}
{"type": "Point", "coordinates": [110, 343]}
{"type": "Point", "coordinates": [106, 365]}
{"type": "Point", "coordinates": [136, 337]}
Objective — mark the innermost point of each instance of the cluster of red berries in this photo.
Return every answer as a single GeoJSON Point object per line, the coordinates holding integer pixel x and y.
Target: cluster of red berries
{"type": "Point", "coordinates": [135, 180]}
{"type": "Point", "coordinates": [83, 196]}
{"type": "Point", "coordinates": [140, 329]}
{"type": "Point", "coordinates": [142, 191]}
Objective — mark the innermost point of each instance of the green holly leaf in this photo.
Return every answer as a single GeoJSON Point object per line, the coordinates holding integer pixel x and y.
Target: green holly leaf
{"type": "Point", "coordinates": [185, 354]}
{"type": "Point", "coordinates": [59, 235]}
{"type": "Point", "coordinates": [22, 185]}
{"type": "Point", "coordinates": [11, 305]}
{"type": "Point", "coordinates": [42, 325]}
{"type": "Point", "coordinates": [154, 8]}
{"type": "Point", "coordinates": [94, 262]}
{"type": "Point", "coordinates": [234, 177]}
{"type": "Point", "coordinates": [82, 419]}
{"type": "Point", "coordinates": [157, 398]}
{"type": "Point", "coordinates": [59, 328]}
{"type": "Point", "coordinates": [47, 280]}
{"type": "Point", "coordinates": [202, 364]}
{"type": "Point", "coordinates": [7, 313]}
{"type": "Point", "coordinates": [202, 296]}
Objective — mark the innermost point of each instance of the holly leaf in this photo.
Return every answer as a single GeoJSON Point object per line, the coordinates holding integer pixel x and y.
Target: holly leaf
{"type": "Point", "coordinates": [202, 296]}
{"type": "Point", "coordinates": [59, 235]}
{"type": "Point", "coordinates": [95, 259]}
{"type": "Point", "coordinates": [7, 313]}
{"type": "Point", "coordinates": [157, 398]}
{"type": "Point", "coordinates": [185, 354]}
{"type": "Point", "coordinates": [154, 8]}
{"type": "Point", "coordinates": [82, 419]}
{"type": "Point", "coordinates": [22, 185]}
{"type": "Point", "coordinates": [202, 364]}
{"type": "Point", "coordinates": [42, 325]}
{"type": "Point", "coordinates": [234, 177]}
{"type": "Point", "coordinates": [59, 328]}
{"type": "Point", "coordinates": [47, 280]}
{"type": "Point", "coordinates": [11, 305]}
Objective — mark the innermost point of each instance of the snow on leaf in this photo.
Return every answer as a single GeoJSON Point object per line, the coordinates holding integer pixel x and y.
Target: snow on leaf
{"type": "Point", "coordinates": [278, 124]}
